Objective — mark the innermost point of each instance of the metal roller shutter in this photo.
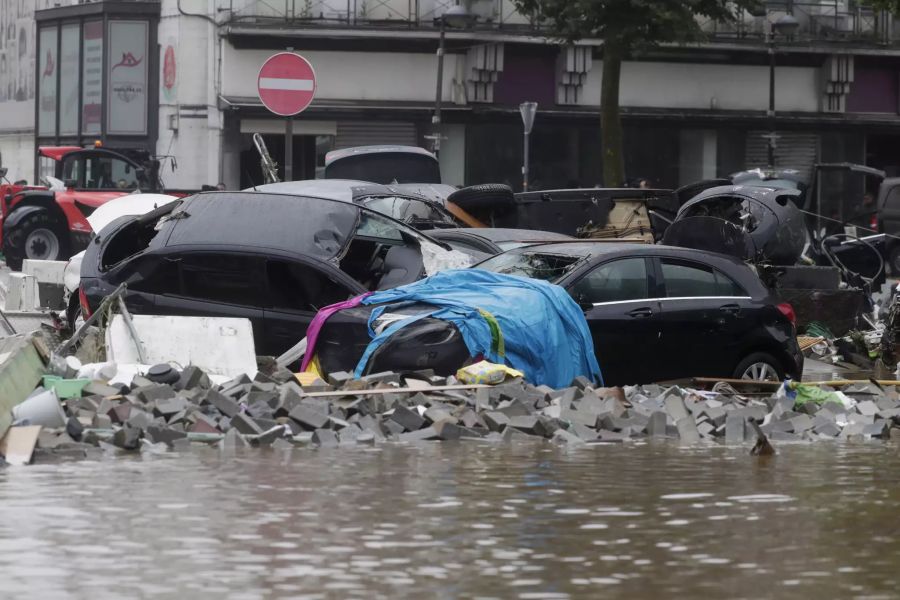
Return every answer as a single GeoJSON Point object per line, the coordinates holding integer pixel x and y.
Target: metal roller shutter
{"type": "Point", "coordinates": [794, 150]}
{"type": "Point", "coordinates": [359, 133]}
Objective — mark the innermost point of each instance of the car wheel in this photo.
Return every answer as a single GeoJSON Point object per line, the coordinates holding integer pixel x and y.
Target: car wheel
{"type": "Point", "coordinates": [39, 236]}
{"type": "Point", "coordinates": [759, 366]}
{"type": "Point", "coordinates": [486, 196]}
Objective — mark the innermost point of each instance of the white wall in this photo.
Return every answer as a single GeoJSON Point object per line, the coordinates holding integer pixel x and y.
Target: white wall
{"type": "Point", "coordinates": [196, 143]}
{"type": "Point", "coordinates": [350, 75]}
{"type": "Point", "coordinates": [700, 86]}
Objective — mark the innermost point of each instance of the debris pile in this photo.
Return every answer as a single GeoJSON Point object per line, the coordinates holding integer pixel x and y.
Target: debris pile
{"type": "Point", "coordinates": [167, 408]}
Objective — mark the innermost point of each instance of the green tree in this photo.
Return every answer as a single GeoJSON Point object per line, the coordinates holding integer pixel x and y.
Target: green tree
{"type": "Point", "coordinates": [626, 26]}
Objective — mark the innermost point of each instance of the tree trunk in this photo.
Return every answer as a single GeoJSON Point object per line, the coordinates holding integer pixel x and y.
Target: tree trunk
{"type": "Point", "coordinates": [610, 124]}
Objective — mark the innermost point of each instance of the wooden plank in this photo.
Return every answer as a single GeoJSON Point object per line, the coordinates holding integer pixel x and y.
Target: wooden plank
{"type": "Point", "coordinates": [18, 444]}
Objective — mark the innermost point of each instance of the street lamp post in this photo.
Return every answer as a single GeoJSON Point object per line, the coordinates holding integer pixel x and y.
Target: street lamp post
{"type": "Point", "coordinates": [455, 17]}
{"type": "Point", "coordinates": [527, 110]}
{"type": "Point", "coordinates": [786, 25]}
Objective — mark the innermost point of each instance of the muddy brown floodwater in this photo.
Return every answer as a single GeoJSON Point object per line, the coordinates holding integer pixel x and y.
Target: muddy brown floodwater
{"type": "Point", "coordinates": [457, 520]}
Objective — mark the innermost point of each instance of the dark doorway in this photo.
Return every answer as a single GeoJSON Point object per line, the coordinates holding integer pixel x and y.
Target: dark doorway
{"type": "Point", "coordinates": [304, 158]}
{"type": "Point", "coordinates": [883, 152]}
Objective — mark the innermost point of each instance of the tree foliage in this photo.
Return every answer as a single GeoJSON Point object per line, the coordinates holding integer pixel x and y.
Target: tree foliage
{"type": "Point", "coordinates": [625, 26]}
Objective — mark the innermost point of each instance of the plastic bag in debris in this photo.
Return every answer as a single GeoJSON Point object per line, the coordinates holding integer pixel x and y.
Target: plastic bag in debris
{"type": "Point", "coordinates": [802, 393]}
{"type": "Point", "coordinates": [544, 331]}
{"type": "Point", "coordinates": [437, 259]}
{"type": "Point", "coordinates": [487, 373]}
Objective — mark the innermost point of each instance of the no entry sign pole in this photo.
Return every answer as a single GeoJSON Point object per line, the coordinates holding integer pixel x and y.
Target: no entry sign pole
{"type": "Point", "coordinates": [289, 149]}
{"type": "Point", "coordinates": [286, 86]}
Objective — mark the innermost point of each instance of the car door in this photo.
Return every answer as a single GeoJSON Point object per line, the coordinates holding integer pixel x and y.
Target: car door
{"type": "Point", "coordinates": [704, 316]}
{"type": "Point", "coordinates": [622, 311]}
{"type": "Point", "coordinates": [147, 277]}
{"type": "Point", "coordinates": [295, 291]}
{"type": "Point", "coordinates": [219, 284]}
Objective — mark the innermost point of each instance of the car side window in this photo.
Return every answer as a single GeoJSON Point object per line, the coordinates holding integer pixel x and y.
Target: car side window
{"type": "Point", "coordinates": [684, 279]}
{"type": "Point", "coordinates": [226, 278]}
{"type": "Point", "coordinates": [624, 279]}
{"type": "Point", "coordinates": [892, 201]}
{"type": "Point", "coordinates": [295, 286]}
{"type": "Point", "coordinates": [155, 275]}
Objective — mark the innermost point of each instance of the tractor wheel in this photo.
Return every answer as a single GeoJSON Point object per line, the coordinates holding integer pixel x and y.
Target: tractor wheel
{"type": "Point", "coordinates": [39, 236]}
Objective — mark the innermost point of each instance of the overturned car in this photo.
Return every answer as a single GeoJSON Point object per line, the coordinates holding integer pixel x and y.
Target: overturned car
{"type": "Point", "coordinates": [274, 259]}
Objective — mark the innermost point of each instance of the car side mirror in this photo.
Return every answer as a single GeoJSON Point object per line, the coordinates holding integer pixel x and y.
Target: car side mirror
{"type": "Point", "coordinates": [3, 172]}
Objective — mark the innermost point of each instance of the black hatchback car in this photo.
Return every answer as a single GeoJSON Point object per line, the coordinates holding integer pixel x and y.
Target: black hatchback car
{"type": "Point", "coordinates": [656, 313]}
{"type": "Point", "coordinates": [271, 258]}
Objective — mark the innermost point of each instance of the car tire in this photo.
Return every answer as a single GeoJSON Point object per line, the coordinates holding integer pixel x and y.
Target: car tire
{"type": "Point", "coordinates": [40, 236]}
{"type": "Point", "coordinates": [759, 366]}
{"type": "Point", "coordinates": [487, 196]}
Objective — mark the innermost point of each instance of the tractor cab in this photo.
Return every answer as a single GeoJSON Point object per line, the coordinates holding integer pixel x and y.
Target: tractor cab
{"type": "Point", "coordinates": [103, 169]}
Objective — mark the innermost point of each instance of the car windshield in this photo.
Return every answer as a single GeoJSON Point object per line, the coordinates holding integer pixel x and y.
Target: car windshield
{"type": "Point", "coordinates": [403, 208]}
{"type": "Point", "coordinates": [537, 265]}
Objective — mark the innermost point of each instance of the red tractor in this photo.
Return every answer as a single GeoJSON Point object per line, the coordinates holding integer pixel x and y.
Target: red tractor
{"type": "Point", "coordinates": [48, 222]}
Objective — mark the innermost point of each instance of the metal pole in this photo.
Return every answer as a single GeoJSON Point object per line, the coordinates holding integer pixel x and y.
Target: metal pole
{"type": "Point", "coordinates": [436, 119]}
{"type": "Point", "coordinates": [525, 165]}
{"type": "Point", "coordinates": [289, 149]}
{"type": "Point", "coordinates": [771, 113]}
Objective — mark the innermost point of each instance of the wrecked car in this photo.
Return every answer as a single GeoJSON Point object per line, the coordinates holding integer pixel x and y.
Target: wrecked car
{"type": "Point", "coordinates": [749, 222]}
{"type": "Point", "coordinates": [655, 313]}
{"type": "Point", "coordinates": [274, 259]}
{"type": "Point", "coordinates": [482, 243]}
{"type": "Point", "coordinates": [627, 214]}
{"type": "Point", "coordinates": [408, 207]}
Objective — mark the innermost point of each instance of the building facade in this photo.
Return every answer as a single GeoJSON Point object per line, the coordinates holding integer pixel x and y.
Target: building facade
{"type": "Point", "coordinates": [689, 112]}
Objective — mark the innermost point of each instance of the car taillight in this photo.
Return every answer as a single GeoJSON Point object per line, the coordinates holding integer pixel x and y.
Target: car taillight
{"type": "Point", "coordinates": [788, 311]}
{"type": "Point", "coordinates": [873, 225]}
{"type": "Point", "coordinates": [85, 307]}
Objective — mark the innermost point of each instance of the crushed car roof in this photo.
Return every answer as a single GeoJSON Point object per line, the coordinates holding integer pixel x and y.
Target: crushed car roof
{"type": "Point", "coordinates": [315, 227]}
{"type": "Point", "coordinates": [345, 190]}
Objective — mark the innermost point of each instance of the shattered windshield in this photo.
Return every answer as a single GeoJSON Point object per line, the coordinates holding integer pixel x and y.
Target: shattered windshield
{"type": "Point", "coordinates": [536, 265]}
{"type": "Point", "coordinates": [403, 209]}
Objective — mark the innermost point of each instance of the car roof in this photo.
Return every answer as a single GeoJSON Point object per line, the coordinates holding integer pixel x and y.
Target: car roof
{"type": "Point", "coordinates": [345, 190]}
{"type": "Point", "coordinates": [503, 234]}
{"type": "Point", "coordinates": [315, 227]}
{"type": "Point", "coordinates": [758, 192]}
{"type": "Point", "coordinates": [597, 249]}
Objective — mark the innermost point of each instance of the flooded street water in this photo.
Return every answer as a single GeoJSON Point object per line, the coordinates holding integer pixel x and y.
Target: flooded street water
{"type": "Point", "coordinates": [447, 520]}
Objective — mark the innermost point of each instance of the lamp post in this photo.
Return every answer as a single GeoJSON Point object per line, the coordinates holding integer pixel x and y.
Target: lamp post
{"type": "Point", "coordinates": [527, 110]}
{"type": "Point", "coordinates": [456, 17]}
{"type": "Point", "coordinates": [786, 25]}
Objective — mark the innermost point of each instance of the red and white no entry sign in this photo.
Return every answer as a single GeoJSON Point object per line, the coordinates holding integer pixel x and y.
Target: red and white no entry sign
{"type": "Point", "coordinates": [286, 84]}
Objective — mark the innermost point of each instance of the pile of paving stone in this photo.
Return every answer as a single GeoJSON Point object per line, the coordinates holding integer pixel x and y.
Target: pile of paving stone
{"type": "Point", "coordinates": [275, 410]}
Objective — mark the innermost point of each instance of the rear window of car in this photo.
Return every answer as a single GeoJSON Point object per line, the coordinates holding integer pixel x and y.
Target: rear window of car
{"type": "Point", "coordinates": [386, 168]}
{"type": "Point", "coordinates": [536, 265]}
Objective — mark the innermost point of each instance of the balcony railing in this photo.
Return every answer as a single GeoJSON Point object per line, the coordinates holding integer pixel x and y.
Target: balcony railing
{"type": "Point", "coordinates": [820, 20]}
{"type": "Point", "coordinates": [407, 13]}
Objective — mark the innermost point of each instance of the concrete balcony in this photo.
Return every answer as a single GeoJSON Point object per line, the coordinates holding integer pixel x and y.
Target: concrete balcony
{"type": "Point", "coordinates": [822, 22]}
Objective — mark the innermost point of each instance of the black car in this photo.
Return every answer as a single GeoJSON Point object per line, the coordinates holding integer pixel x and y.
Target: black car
{"type": "Point", "coordinates": [274, 259]}
{"type": "Point", "coordinates": [656, 313]}
{"type": "Point", "coordinates": [482, 243]}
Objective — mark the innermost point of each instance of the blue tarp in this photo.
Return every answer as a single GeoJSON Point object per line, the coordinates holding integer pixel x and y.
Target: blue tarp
{"type": "Point", "coordinates": [544, 331]}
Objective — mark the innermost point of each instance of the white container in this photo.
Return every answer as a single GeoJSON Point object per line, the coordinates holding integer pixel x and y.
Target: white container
{"type": "Point", "coordinates": [42, 409]}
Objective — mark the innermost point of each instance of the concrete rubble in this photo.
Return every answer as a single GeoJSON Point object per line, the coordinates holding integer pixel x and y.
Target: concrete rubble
{"type": "Point", "coordinates": [275, 410]}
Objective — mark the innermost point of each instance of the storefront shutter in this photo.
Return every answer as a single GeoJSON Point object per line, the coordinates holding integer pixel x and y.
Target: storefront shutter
{"type": "Point", "coordinates": [359, 133]}
{"type": "Point", "coordinates": [796, 150]}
